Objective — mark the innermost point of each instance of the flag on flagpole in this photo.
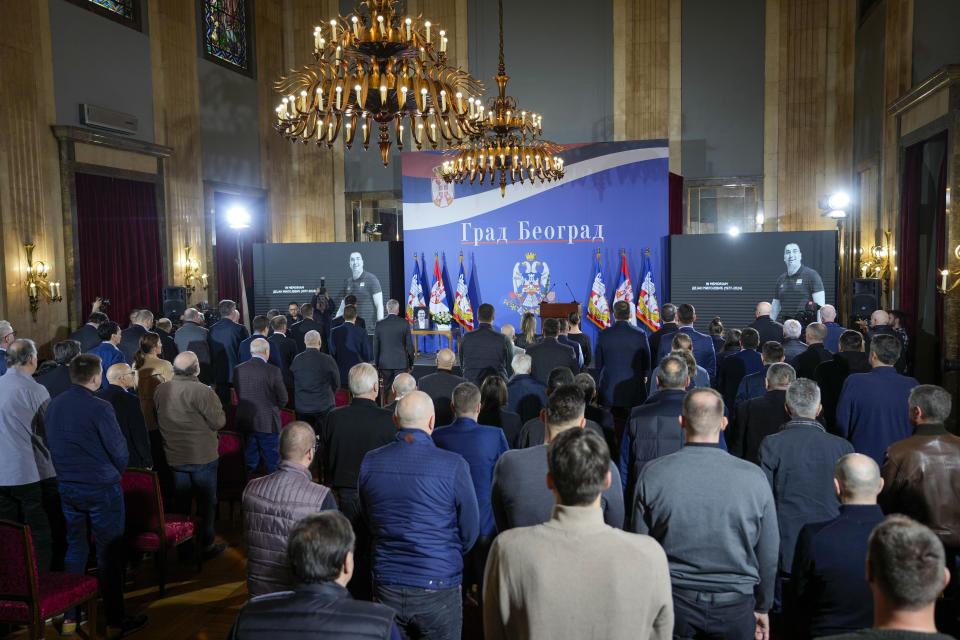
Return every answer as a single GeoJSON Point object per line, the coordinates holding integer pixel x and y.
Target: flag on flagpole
{"type": "Point", "coordinates": [415, 297]}
{"type": "Point", "coordinates": [438, 293]}
{"type": "Point", "coordinates": [624, 288]}
{"type": "Point", "coordinates": [597, 308]}
{"type": "Point", "coordinates": [462, 309]}
{"type": "Point", "coordinates": [648, 309]}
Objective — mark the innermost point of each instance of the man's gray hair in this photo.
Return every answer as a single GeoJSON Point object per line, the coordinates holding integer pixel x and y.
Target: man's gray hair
{"type": "Point", "coordinates": [934, 401]}
{"type": "Point", "coordinates": [191, 315]}
{"type": "Point", "coordinates": [906, 561]}
{"type": "Point", "coordinates": [144, 316]}
{"type": "Point", "coordinates": [186, 364]}
{"type": "Point", "coordinates": [5, 328]}
{"type": "Point", "coordinates": [393, 306]}
{"type": "Point", "coordinates": [226, 307]}
{"type": "Point", "coordinates": [20, 352]}
{"type": "Point", "coordinates": [879, 318]}
{"type": "Point", "coordinates": [362, 379]}
{"type": "Point", "coordinates": [828, 313]}
{"type": "Point", "coordinates": [522, 363]}
{"type": "Point", "coordinates": [311, 339]}
{"type": "Point", "coordinates": [260, 346]}
{"type": "Point", "coordinates": [792, 328]}
{"type": "Point", "coordinates": [403, 384]}
{"type": "Point", "coordinates": [859, 477]}
{"type": "Point", "coordinates": [886, 348]}
{"type": "Point", "coordinates": [465, 398]}
{"type": "Point", "coordinates": [673, 373]}
{"type": "Point", "coordinates": [803, 398]}
{"type": "Point", "coordinates": [780, 375]}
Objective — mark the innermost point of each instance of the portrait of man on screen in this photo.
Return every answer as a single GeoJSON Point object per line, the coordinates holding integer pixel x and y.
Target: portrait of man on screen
{"type": "Point", "coordinates": [366, 287]}
{"type": "Point", "coordinates": [796, 286]}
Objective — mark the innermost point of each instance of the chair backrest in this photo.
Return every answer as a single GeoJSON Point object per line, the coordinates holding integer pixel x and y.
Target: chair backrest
{"type": "Point", "coordinates": [231, 471]}
{"type": "Point", "coordinates": [286, 417]}
{"type": "Point", "coordinates": [18, 566]}
{"type": "Point", "coordinates": [141, 500]}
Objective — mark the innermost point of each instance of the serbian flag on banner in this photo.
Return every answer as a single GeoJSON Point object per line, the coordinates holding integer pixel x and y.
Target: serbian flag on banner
{"type": "Point", "coordinates": [462, 309]}
{"type": "Point", "coordinates": [438, 293]}
{"type": "Point", "coordinates": [624, 288]}
{"type": "Point", "coordinates": [415, 297]}
{"type": "Point", "coordinates": [648, 309]}
{"type": "Point", "coordinates": [597, 308]}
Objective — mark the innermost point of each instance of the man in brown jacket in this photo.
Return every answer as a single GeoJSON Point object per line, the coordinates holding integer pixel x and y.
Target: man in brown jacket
{"type": "Point", "coordinates": [260, 395]}
{"type": "Point", "coordinates": [568, 577]}
{"type": "Point", "coordinates": [190, 414]}
{"type": "Point", "coordinates": [273, 504]}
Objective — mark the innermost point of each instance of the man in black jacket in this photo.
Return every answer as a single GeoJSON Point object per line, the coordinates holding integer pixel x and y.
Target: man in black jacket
{"type": "Point", "coordinates": [768, 328]}
{"type": "Point", "coordinates": [170, 349]}
{"type": "Point", "coordinates": [87, 334]}
{"type": "Point", "coordinates": [392, 345]}
{"type": "Point", "coordinates": [321, 546]}
{"type": "Point", "coordinates": [534, 431]}
{"type": "Point", "coordinates": [881, 324]}
{"type": "Point", "coordinates": [57, 379]}
{"type": "Point", "coordinates": [831, 374]}
{"type": "Point", "coordinates": [285, 347]}
{"type": "Point", "coordinates": [129, 413]}
{"type": "Point", "coordinates": [130, 337]}
{"type": "Point", "coordinates": [225, 337]}
{"type": "Point", "coordinates": [348, 343]}
{"type": "Point", "coordinates": [759, 417]}
{"type": "Point", "coordinates": [668, 327]}
{"type": "Point", "coordinates": [806, 363]}
{"type": "Point", "coordinates": [440, 385]}
{"type": "Point", "coordinates": [350, 300]}
{"type": "Point", "coordinates": [308, 323]}
{"type": "Point", "coordinates": [548, 354]}
{"type": "Point", "coordinates": [485, 349]}
{"type": "Point", "coordinates": [316, 380]}
{"type": "Point", "coordinates": [600, 415]}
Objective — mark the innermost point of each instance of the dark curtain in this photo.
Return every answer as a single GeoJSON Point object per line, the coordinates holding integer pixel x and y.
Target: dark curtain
{"type": "Point", "coordinates": [676, 204]}
{"type": "Point", "coordinates": [909, 231]}
{"type": "Point", "coordinates": [118, 233]}
{"type": "Point", "coordinates": [225, 251]}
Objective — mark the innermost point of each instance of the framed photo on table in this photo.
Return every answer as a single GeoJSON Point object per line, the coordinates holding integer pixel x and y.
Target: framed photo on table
{"type": "Point", "coordinates": [421, 318]}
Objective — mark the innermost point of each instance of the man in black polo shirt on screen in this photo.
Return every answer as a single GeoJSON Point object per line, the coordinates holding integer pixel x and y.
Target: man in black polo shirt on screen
{"type": "Point", "coordinates": [366, 287]}
{"type": "Point", "coordinates": [797, 286]}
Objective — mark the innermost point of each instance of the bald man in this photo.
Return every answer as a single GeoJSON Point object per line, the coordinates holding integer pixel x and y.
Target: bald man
{"type": "Point", "coordinates": [768, 328]}
{"type": "Point", "coordinates": [832, 595]}
{"type": "Point", "coordinates": [189, 414]}
{"type": "Point", "coordinates": [402, 385]}
{"type": "Point", "coordinates": [440, 385]}
{"type": "Point", "coordinates": [421, 508]}
{"type": "Point", "coordinates": [882, 325]}
{"type": "Point", "coordinates": [120, 392]}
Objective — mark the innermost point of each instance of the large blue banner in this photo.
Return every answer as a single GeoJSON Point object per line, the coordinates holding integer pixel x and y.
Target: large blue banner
{"type": "Point", "coordinates": [540, 242]}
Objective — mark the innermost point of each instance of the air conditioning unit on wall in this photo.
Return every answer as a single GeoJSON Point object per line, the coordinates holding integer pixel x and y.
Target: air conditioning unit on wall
{"type": "Point", "coordinates": [101, 118]}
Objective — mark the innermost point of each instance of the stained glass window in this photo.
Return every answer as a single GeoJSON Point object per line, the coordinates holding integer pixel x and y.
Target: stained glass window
{"type": "Point", "coordinates": [226, 36]}
{"type": "Point", "coordinates": [126, 12]}
{"type": "Point", "coordinates": [123, 8]}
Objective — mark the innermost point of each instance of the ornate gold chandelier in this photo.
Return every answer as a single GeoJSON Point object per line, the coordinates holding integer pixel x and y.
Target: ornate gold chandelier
{"type": "Point", "coordinates": [505, 143]}
{"type": "Point", "coordinates": [378, 66]}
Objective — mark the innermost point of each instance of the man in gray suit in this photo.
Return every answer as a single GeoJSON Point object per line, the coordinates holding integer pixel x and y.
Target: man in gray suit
{"type": "Point", "coordinates": [392, 345]}
{"type": "Point", "coordinates": [485, 350]}
{"type": "Point", "coordinates": [193, 336]}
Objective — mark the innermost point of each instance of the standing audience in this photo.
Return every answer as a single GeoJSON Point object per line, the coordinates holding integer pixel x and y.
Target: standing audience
{"type": "Point", "coordinates": [485, 349]}
{"type": "Point", "coordinates": [760, 417]}
{"type": "Point", "coordinates": [261, 395]}
{"type": "Point", "coordinates": [316, 379]}
{"type": "Point", "coordinates": [130, 337]}
{"type": "Point", "coordinates": [261, 330]}
{"type": "Point", "coordinates": [170, 349]}
{"type": "Point", "coordinates": [225, 338]}
{"type": "Point", "coordinates": [284, 347]}
{"type": "Point", "coordinates": [578, 336]}
{"type": "Point", "coordinates": [348, 342]}
{"type": "Point", "coordinates": [107, 350]}
{"type": "Point", "coordinates": [548, 354]}
{"type": "Point", "coordinates": [525, 394]}
{"type": "Point", "coordinates": [668, 326]}
{"type": "Point", "coordinates": [622, 357]}
{"type": "Point", "coordinates": [793, 346]}
{"type": "Point", "coordinates": [119, 393]}
{"type": "Point", "coordinates": [830, 375]}
{"type": "Point", "coordinates": [755, 384]}
{"type": "Point", "coordinates": [735, 367]}
{"type": "Point", "coordinates": [392, 345]}
{"type": "Point", "coordinates": [493, 400]}
{"type": "Point", "coordinates": [440, 384]}
{"type": "Point", "coordinates": [87, 335]}
{"type": "Point", "coordinates": [56, 379]}
{"type": "Point", "coordinates": [769, 329]}
{"type": "Point", "coordinates": [807, 362]}
{"type": "Point", "coordinates": [828, 316]}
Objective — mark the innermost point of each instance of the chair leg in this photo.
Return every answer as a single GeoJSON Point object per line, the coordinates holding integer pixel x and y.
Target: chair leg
{"type": "Point", "coordinates": [92, 607]}
{"type": "Point", "coordinates": [160, 558]}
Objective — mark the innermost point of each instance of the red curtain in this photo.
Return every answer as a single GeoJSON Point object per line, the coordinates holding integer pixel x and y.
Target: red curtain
{"type": "Point", "coordinates": [909, 231]}
{"type": "Point", "coordinates": [119, 241]}
{"type": "Point", "coordinates": [676, 204]}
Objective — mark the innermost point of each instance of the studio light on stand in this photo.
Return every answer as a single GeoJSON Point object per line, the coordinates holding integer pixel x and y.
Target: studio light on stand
{"type": "Point", "coordinates": [835, 206]}
{"type": "Point", "coordinates": [238, 219]}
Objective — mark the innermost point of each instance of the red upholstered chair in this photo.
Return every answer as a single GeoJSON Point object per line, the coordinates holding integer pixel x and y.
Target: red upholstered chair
{"type": "Point", "coordinates": [341, 398]}
{"type": "Point", "coordinates": [286, 417]}
{"type": "Point", "coordinates": [28, 596]}
{"type": "Point", "coordinates": [231, 470]}
{"type": "Point", "coordinates": [149, 529]}
{"type": "Point", "coordinates": [234, 400]}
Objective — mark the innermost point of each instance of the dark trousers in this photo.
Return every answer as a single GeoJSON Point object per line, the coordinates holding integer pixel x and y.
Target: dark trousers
{"type": "Point", "coordinates": [714, 616]}
{"type": "Point", "coordinates": [223, 392]}
{"type": "Point", "coordinates": [388, 375]}
{"type": "Point", "coordinates": [102, 506]}
{"type": "Point", "coordinates": [37, 505]}
{"type": "Point", "coordinates": [197, 481]}
{"type": "Point", "coordinates": [431, 614]}
{"type": "Point", "coordinates": [262, 446]}
{"type": "Point", "coordinates": [475, 561]}
{"type": "Point", "coordinates": [160, 465]}
{"type": "Point", "coordinates": [360, 586]}
{"type": "Point", "coordinates": [314, 418]}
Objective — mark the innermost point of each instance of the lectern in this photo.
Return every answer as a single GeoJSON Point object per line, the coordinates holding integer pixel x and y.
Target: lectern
{"type": "Point", "coordinates": [556, 310]}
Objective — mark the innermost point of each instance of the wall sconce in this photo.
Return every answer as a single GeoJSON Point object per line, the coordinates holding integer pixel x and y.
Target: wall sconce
{"type": "Point", "coordinates": [945, 273]}
{"type": "Point", "coordinates": [191, 273]}
{"type": "Point", "coordinates": [37, 283]}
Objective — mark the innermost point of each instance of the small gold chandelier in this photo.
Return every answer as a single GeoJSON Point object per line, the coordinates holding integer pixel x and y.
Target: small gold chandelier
{"type": "Point", "coordinates": [378, 66]}
{"type": "Point", "coordinates": [506, 142]}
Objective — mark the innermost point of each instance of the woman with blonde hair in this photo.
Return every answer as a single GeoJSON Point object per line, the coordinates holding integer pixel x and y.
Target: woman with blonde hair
{"type": "Point", "coordinates": [528, 331]}
{"type": "Point", "coordinates": [152, 371]}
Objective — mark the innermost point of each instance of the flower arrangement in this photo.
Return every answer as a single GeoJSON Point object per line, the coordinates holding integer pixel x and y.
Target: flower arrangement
{"type": "Point", "coordinates": [442, 317]}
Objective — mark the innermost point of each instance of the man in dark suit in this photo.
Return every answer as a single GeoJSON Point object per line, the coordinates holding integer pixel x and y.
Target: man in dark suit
{"type": "Point", "coordinates": [57, 379]}
{"type": "Point", "coordinates": [349, 300]}
{"type": "Point", "coordinates": [526, 395]}
{"type": "Point", "coordinates": [164, 329]}
{"type": "Point", "coordinates": [703, 349]}
{"type": "Point", "coordinates": [261, 329]}
{"type": "Point", "coordinates": [882, 325]}
{"type": "Point", "coordinates": [284, 347]}
{"type": "Point", "coordinates": [832, 595]}
{"type": "Point", "coordinates": [734, 368]}
{"type": "Point", "coordinates": [87, 334]}
{"type": "Point", "coordinates": [758, 418]}
{"type": "Point", "coordinates": [392, 345]}
{"type": "Point", "coordinates": [348, 343]}
{"type": "Point", "coordinates": [592, 411]}
{"type": "Point", "coordinates": [193, 336]}
{"type": "Point", "coordinates": [575, 334]}
{"type": "Point", "coordinates": [668, 326]}
{"type": "Point", "coordinates": [548, 354]}
{"type": "Point", "coordinates": [316, 380]}
{"type": "Point", "coordinates": [792, 344]}
{"type": "Point", "coordinates": [768, 328]}
{"type": "Point", "coordinates": [754, 385]}
{"type": "Point", "coordinates": [440, 385]}
{"type": "Point", "coordinates": [126, 405]}
{"type": "Point", "coordinates": [225, 338]}
{"type": "Point", "coordinates": [307, 323]}
{"type": "Point", "coordinates": [534, 431]}
{"type": "Point", "coordinates": [485, 349]}
{"type": "Point", "coordinates": [348, 434]}
{"type": "Point", "coordinates": [260, 394]}
{"type": "Point", "coordinates": [807, 362]}
{"type": "Point", "coordinates": [830, 375]}
{"type": "Point", "coordinates": [563, 338]}
{"type": "Point", "coordinates": [130, 337]}
{"type": "Point", "coordinates": [623, 358]}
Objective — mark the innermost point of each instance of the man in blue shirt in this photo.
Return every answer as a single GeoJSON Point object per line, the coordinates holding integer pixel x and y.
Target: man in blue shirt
{"type": "Point", "coordinates": [89, 453]}
{"type": "Point", "coordinates": [828, 316]}
{"type": "Point", "coordinates": [481, 447]}
{"type": "Point", "coordinates": [421, 508]}
{"type": "Point", "coordinates": [107, 350]}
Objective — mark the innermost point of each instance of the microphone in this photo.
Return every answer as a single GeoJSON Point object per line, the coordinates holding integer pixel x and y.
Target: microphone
{"type": "Point", "coordinates": [572, 295]}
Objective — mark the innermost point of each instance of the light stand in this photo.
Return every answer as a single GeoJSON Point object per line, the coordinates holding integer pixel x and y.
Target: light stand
{"type": "Point", "coordinates": [239, 219]}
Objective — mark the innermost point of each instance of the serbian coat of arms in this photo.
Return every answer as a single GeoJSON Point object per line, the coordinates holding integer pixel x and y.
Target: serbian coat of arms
{"type": "Point", "coordinates": [531, 285]}
{"type": "Point", "coordinates": [442, 192]}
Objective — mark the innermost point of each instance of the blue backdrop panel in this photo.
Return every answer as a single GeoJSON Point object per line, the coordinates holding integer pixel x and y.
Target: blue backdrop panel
{"type": "Point", "coordinates": [539, 240]}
